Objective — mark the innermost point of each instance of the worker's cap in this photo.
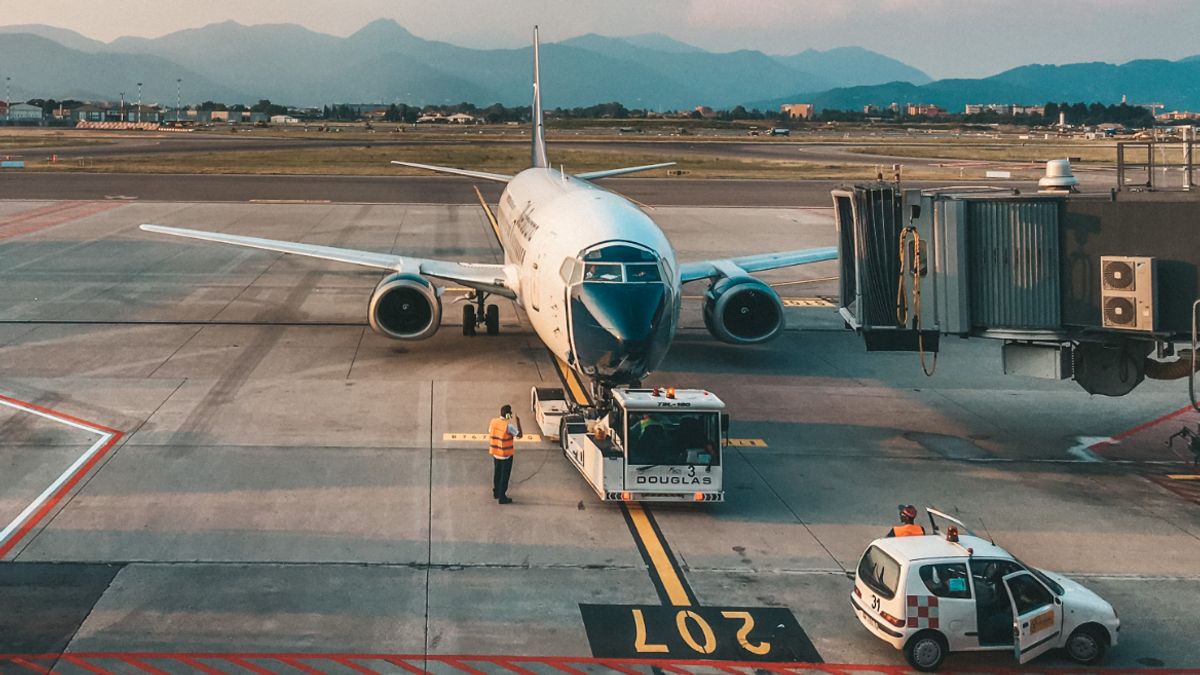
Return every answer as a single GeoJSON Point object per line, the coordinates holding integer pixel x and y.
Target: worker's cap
{"type": "Point", "coordinates": [908, 510]}
{"type": "Point", "coordinates": [505, 410]}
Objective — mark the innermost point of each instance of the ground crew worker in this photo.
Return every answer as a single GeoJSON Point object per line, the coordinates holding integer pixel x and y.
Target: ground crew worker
{"type": "Point", "coordinates": [907, 526]}
{"type": "Point", "coordinates": [502, 432]}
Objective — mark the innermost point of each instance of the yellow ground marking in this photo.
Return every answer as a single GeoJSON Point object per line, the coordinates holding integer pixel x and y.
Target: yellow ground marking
{"type": "Point", "coordinates": [747, 443]}
{"type": "Point", "coordinates": [1184, 476]}
{"type": "Point", "coordinates": [798, 282]}
{"type": "Point", "coordinates": [490, 216]}
{"type": "Point", "coordinates": [484, 438]}
{"type": "Point", "coordinates": [290, 201]}
{"type": "Point", "coordinates": [806, 302]}
{"type": "Point", "coordinates": [573, 384]}
{"type": "Point", "coordinates": [658, 556]}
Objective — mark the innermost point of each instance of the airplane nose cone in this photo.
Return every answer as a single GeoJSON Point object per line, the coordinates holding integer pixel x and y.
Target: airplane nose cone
{"type": "Point", "coordinates": [615, 326]}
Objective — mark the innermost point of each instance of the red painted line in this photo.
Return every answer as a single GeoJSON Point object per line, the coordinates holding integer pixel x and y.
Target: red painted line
{"type": "Point", "coordinates": [75, 661]}
{"type": "Point", "coordinates": [70, 484]}
{"type": "Point", "coordinates": [672, 669]}
{"type": "Point", "coordinates": [513, 667]}
{"type": "Point", "coordinates": [71, 212]}
{"type": "Point", "coordinates": [1141, 427]}
{"type": "Point", "coordinates": [459, 663]}
{"type": "Point", "coordinates": [55, 413]}
{"type": "Point", "coordinates": [65, 489]}
{"type": "Point", "coordinates": [618, 668]}
{"type": "Point", "coordinates": [295, 663]}
{"type": "Point", "coordinates": [566, 669]}
{"type": "Point", "coordinates": [144, 667]}
{"type": "Point", "coordinates": [37, 213]}
{"type": "Point", "coordinates": [405, 665]}
{"type": "Point", "coordinates": [730, 670]}
{"type": "Point", "coordinates": [26, 664]}
{"type": "Point", "coordinates": [345, 661]}
{"type": "Point", "coordinates": [239, 661]}
{"type": "Point", "coordinates": [191, 661]}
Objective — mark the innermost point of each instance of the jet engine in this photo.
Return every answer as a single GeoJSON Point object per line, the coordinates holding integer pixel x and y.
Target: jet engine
{"type": "Point", "coordinates": [742, 311]}
{"type": "Point", "coordinates": [405, 307]}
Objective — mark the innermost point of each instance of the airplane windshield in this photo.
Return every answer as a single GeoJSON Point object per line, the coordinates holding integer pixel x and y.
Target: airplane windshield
{"type": "Point", "coordinates": [642, 273]}
{"type": "Point", "coordinates": [602, 272]}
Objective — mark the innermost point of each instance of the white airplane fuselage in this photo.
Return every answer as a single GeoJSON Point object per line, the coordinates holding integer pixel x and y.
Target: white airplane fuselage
{"type": "Point", "coordinates": [583, 257]}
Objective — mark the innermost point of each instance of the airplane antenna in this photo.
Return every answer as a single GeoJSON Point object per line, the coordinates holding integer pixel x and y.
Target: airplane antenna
{"type": "Point", "coordinates": [540, 159]}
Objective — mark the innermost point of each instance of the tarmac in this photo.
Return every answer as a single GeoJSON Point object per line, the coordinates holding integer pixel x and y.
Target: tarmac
{"type": "Point", "coordinates": [211, 463]}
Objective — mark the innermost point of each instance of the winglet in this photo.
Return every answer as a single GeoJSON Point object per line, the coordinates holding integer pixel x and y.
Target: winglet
{"type": "Point", "coordinates": [540, 159]}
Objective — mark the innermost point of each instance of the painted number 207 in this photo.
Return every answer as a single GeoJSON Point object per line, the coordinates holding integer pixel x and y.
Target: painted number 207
{"type": "Point", "coordinates": [697, 633]}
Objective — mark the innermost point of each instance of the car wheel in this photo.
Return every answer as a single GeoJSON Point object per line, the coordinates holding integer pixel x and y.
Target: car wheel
{"type": "Point", "coordinates": [925, 651]}
{"type": "Point", "coordinates": [1086, 645]}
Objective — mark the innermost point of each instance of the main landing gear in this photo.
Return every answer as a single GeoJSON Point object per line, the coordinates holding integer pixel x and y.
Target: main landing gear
{"type": "Point", "coordinates": [476, 313]}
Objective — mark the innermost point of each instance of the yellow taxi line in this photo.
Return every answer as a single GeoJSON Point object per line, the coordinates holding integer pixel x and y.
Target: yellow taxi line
{"type": "Point", "coordinates": [663, 568]}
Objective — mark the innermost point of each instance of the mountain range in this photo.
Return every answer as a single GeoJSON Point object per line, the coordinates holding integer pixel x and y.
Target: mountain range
{"type": "Point", "coordinates": [290, 64]}
{"type": "Point", "coordinates": [383, 61]}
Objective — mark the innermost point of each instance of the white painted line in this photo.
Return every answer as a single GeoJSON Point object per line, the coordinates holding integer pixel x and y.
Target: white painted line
{"type": "Point", "coordinates": [49, 492]}
{"type": "Point", "coordinates": [1083, 451]}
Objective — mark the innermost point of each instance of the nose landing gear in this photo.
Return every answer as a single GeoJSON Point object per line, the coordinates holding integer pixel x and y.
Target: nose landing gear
{"type": "Point", "coordinates": [476, 313]}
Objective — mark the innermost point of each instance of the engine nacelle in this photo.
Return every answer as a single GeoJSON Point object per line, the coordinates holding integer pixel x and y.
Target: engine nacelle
{"type": "Point", "coordinates": [405, 307]}
{"type": "Point", "coordinates": [742, 311]}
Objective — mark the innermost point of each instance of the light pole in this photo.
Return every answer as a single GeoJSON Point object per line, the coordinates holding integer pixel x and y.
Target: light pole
{"type": "Point", "coordinates": [7, 97]}
{"type": "Point", "coordinates": [139, 109]}
{"type": "Point", "coordinates": [178, 97]}
{"type": "Point", "coordinates": [122, 108]}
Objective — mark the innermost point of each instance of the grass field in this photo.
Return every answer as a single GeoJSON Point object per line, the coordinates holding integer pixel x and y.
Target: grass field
{"type": "Point", "coordinates": [367, 161]}
{"type": "Point", "coordinates": [21, 141]}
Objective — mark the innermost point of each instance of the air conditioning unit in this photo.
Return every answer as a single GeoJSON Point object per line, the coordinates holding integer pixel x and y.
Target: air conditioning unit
{"type": "Point", "coordinates": [1128, 293]}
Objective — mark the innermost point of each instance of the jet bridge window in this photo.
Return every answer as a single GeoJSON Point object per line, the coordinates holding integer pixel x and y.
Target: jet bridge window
{"type": "Point", "coordinates": [610, 272]}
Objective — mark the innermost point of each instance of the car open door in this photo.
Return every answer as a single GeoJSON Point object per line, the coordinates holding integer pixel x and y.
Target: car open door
{"type": "Point", "coordinates": [1037, 615]}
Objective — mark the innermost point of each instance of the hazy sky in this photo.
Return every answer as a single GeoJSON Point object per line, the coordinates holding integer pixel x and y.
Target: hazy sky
{"type": "Point", "coordinates": [945, 38]}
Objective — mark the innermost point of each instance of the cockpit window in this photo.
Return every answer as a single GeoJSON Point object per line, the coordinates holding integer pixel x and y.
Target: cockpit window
{"type": "Point", "coordinates": [619, 253]}
{"type": "Point", "coordinates": [602, 272]}
{"type": "Point", "coordinates": [642, 273]}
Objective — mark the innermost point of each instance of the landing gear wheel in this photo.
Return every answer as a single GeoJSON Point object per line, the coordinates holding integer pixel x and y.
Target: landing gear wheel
{"type": "Point", "coordinates": [925, 651]}
{"type": "Point", "coordinates": [492, 320]}
{"type": "Point", "coordinates": [1086, 645]}
{"type": "Point", "coordinates": [469, 320]}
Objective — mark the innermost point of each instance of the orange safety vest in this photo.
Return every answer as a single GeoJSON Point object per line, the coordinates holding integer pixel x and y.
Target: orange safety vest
{"type": "Point", "coordinates": [908, 530]}
{"type": "Point", "coordinates": [501, 440]}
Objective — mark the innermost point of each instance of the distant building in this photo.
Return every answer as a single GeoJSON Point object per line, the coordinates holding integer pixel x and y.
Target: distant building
{"type": "Point", "coordinates": [19, 112]}
{"type": "Point", "coordinates": [1177, 115]}
{"type": "Point", "coordinates": [923, 110]}
{"type": "Point", "coordinates": [1038, 110]}
{"type": "Point", "coordinates": [1004, 109]}
{"type": "Point", "coordinates": [462, 118]}
{"type": "Point", "coordinates": [284, 119]}
{"type": "Point", "coordinates": [871, 109]}
{"type": "Point", "coordinates": [3, 108]}
{"type": "Point", "coordinates": [797, 111]}
{"type": "Point", "coordinates": [705, 112]}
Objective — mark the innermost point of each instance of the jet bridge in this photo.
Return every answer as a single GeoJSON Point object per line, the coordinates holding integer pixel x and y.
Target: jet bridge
{"type": "Point", "coordinates": [1100, 289]}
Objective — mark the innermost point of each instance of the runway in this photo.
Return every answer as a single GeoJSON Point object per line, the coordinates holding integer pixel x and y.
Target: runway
{"type": "Point", "coordinates": [287, 493]}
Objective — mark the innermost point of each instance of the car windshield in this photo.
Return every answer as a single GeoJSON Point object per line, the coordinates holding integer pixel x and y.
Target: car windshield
{"type": "Point", "coordinates": [879, 572]}
{"type": "Point", "coordinates": [674, 438]}
{"type": "Point", "coordinates": [1041, 576]}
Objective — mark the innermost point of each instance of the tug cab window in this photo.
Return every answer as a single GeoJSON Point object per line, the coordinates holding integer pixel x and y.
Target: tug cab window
{"type": "Point", "coordinates": [674, 439]}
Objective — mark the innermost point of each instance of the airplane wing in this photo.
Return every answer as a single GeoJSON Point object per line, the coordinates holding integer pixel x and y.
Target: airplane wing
{"type": "Point", "coordinates": [708, 269]}
{"type": "Point", "coordinates": [482, 175]}
{"type": "Point", "coordinates": [593, 175]}
{"type": "Point", "coordinates": [483, 276]}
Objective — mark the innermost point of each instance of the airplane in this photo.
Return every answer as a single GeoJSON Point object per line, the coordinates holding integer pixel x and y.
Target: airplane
{"type": "Point", "coordinates": [595, 274]}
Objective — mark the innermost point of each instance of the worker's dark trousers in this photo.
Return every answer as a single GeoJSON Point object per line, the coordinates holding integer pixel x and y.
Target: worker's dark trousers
{"type": "Point", "coordinates": [500, 473]}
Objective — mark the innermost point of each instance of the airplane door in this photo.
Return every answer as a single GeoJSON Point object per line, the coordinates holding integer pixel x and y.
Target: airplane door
{"type": "Point", "coordinates": [1037, 616]}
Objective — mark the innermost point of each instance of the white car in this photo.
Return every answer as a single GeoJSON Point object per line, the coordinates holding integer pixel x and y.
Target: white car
{"type": "Point", "coordinates": [934, 594]}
